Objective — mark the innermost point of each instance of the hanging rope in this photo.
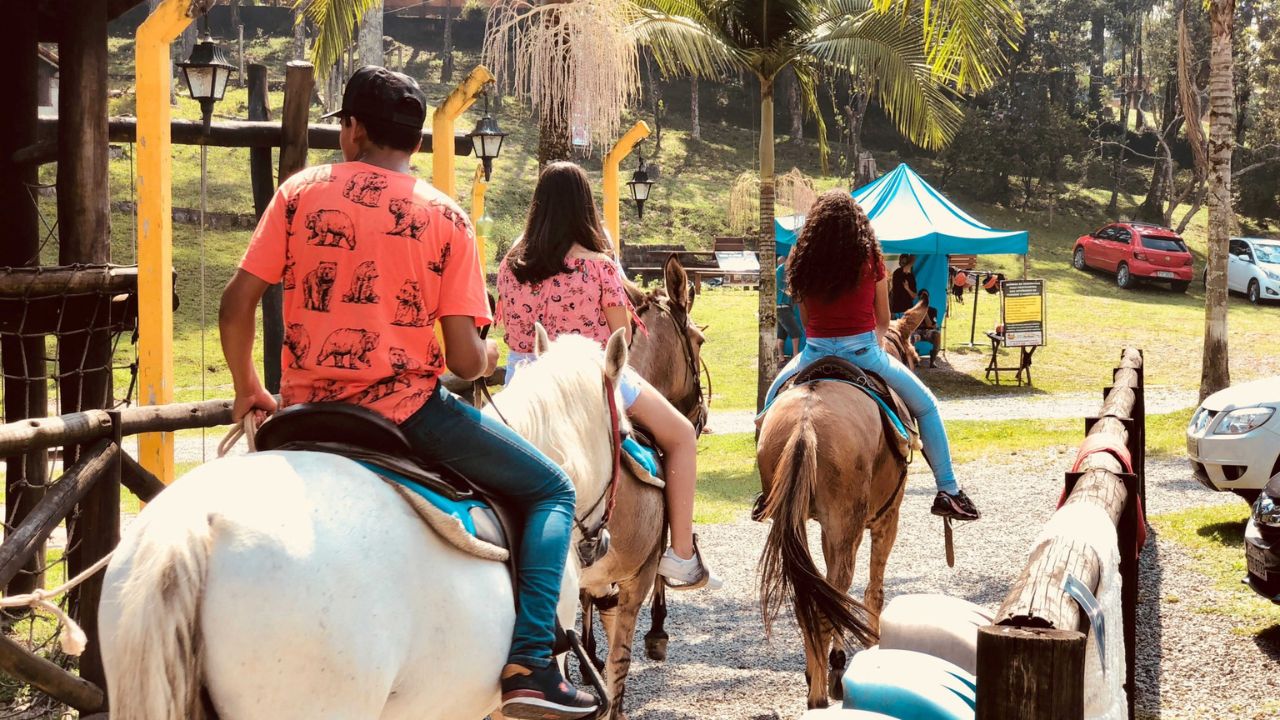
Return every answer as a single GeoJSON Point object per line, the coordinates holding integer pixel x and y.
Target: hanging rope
{"type": "Point", "coordinates": [72, 639]}
{"type": "Point", "coordinates": [247, 429]}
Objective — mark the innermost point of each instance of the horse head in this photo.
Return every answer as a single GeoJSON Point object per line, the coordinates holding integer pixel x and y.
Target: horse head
{"type": "Point", "coordinates": [561, 404]}
{"type": "Point", "coordinates": [898, 336]}
{"type": "Point", "coordinates": [667, 351]}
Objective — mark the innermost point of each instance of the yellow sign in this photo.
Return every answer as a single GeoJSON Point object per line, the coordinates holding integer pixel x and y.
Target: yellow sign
{"type": "Point", "coordinates": [1023, 313]}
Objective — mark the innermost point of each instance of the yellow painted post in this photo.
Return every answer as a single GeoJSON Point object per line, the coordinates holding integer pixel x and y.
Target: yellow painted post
{"type": "Point", "coordinates": [155, 229]}
{"type": "Point", "coordinates": [442, 121]}
{"type": "Point", "coordinates": [621, 149]}
{"type": "Point", "coordinates": [478, 188]}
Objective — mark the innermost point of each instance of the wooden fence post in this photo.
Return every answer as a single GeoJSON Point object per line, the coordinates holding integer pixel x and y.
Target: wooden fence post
{"type": "Point", "coordinates": [299, 85]}
{"type": "Point", "coordinates": [1030, 674]}
{"type": "Point", "coordinates": [263, 182]}
{"type": "Point", "coordinates": [25, 391]}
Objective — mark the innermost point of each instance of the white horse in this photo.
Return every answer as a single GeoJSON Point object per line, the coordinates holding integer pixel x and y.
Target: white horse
{"type": "Point", "coordinates": [298, 585]}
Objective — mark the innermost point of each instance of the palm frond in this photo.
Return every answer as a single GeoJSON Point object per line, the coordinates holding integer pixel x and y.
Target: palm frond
{"type": "Point", "coordinates": [337, 22]}
{"type": "Point", "coordinates": [808, 78]}
{"type": "Point", "coordinates": [891, 54]}
{"type": "Point", "coordinates": [967, 40]}
{"type": "Point", "coordinates": [682, 44]}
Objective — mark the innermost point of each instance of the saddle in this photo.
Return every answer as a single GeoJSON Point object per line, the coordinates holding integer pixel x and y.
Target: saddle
{"type": "Point", "coordinates": [894, 414]}
{"type": "Point", "coordinates": [457, 510]}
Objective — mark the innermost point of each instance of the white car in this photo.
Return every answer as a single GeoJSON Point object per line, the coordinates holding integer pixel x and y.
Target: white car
{"type": "Point", "coordinates": [1253, 268]}
{"type": "Point", "coordinates": [1233, 439]}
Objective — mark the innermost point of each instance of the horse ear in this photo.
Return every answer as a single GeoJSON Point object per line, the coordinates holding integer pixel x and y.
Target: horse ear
{"type": "Point", "coordinates": [677, 282]}
{"type": "Point", "coordinates": [542, 341]}
{"type": "Point", "coordinates": [615, 354]}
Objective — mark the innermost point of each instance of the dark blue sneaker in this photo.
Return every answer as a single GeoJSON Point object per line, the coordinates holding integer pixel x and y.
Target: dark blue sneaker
{"type": "Point", "coordinates": [542, 694]}
{"type": "Point", "coordinates": [956, 507]}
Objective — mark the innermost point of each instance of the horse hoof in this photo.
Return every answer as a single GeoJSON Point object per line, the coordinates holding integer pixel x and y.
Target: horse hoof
{"type": "Point", "coordinates": [822, 704]}
{"type": "Point", "coordinates": [835, 688]}
{"type": "Point", "coordinates": [656, 648]}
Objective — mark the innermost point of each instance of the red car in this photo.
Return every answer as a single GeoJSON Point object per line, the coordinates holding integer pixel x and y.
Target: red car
{"type": "Point", "coordinates": [1136, 251]}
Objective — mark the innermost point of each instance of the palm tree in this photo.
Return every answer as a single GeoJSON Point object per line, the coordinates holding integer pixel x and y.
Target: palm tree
{"type": "Point", "coordinates": [915, 54]}
{"type": "Point", "coordinates": [1214, 371]}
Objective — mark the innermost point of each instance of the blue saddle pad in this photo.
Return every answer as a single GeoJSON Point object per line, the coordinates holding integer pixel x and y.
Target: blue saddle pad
{"type": "Point", "coordinates": [467, 511]}
{"type": "Point", "coordinates": [646, 456]}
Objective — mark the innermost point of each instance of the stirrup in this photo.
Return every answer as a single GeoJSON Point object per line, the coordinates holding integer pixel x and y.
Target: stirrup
{"type": "Point", "coordinates": [701, 582]}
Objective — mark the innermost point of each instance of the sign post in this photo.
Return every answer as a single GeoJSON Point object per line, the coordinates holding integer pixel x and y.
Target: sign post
{"type": "Point", "coordinates": [1021, 326]}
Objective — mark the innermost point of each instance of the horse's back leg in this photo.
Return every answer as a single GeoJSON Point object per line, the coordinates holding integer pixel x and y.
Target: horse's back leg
{"type": "Point", "coordinates": [655, 641]}
{"type": "Point", "coordinates": [884, 531]}
{"type": "Point", "coordinates": [841, 534]}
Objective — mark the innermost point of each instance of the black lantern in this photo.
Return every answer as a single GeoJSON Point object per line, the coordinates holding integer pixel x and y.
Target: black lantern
{"type": "Point", "coordinates": [640, 185]}
{"type": "Point", "coordinates": [207, 72]}
{"type": "Point", "coordinates": [486, 139]}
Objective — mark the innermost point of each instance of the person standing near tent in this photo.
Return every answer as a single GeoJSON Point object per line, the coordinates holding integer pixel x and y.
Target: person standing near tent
{"type": "Point", "coordinates": [789, 331]}
{"type": "Point", "coordinates": [846, 314]}
{"type": "Point", "coordinates": [902, 288]}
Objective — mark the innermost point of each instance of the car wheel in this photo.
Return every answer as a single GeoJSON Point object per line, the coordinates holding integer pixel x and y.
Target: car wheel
{"type": "Point", "coordinates": [1077, 260]}
{"type": "Point", "coordinates": [1254, 293]}
{"type": "Point", "coordinates": [1124, 278]}
{"type": "Point", "coordinates": [1180, 286]}
{"type": "Point", "coordinates": [1250, 496]}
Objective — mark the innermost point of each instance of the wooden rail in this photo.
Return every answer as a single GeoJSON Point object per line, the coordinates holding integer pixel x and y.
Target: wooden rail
{"type": "Point", "coordinates": [101, 464]}
{"type": "Point", "coordinates": [1030, 664]}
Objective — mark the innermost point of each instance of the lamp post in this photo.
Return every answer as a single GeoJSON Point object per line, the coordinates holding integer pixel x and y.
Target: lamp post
{"type": "Point", "coordinates": [206, 73]}
{"type": "Point", "coordinates": [639, 186]}
{"type": "Point", "coordinates": [486, 139]}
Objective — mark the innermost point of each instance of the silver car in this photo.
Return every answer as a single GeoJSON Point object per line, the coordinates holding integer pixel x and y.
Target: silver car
{"type": "Point", "coordinates": [1233, 439]}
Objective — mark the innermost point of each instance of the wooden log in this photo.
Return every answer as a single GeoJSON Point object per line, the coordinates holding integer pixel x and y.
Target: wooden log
{"type": "Point", "coordinates": [57, 503]}
{"type": "Point", "coordinates": [84, 236]}
{"type": "Point", "coordinates": [1030, 674]}
{"type": "Point", "coordinates": [25, 282]}
{"type": "Point", "coordinates": [263, 181]}
{"type": "Point", "coordinates": [224, 133]}
{"type": "Point", "coordinates": [75, 428]}
{"type": "Point", "coordinates": [299, 85]}
{"type": "Point", "coordinates": [21, 358]}
{"type": "Point", "coordinates": [50, 679]}
{"type": "Point", "coordinates": [139, 480]}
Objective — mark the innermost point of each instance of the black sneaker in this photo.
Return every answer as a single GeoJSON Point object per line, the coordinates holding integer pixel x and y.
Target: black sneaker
{"type": "Point", "coordinates": [958, 506]}
{"type": "Point", "coordinates": [542, 694]}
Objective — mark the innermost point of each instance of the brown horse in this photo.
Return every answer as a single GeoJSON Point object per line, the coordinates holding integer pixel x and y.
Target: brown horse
{"type": "Point", "coordinates": [823, 454]}
{"type": "Point", "coordinates": [667, 353]}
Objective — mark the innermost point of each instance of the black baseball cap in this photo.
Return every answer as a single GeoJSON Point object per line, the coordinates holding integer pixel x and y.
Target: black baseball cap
{"type": "Point", "coordinates": [376, 93]}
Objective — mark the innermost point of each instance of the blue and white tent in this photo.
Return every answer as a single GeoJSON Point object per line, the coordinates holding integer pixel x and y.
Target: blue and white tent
{"type": "Point", "coordinates": [910, 216]}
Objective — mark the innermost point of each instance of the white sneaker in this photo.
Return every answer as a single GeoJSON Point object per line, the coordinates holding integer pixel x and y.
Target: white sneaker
{"type": "Point", "coordinates": [690, 574]}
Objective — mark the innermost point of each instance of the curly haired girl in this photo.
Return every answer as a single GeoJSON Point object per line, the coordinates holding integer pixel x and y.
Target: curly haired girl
{"type": "Point", "coordinates": [836, 274]}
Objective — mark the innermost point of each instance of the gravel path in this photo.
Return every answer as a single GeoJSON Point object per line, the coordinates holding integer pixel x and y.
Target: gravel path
{"type": "Point", "coordinates": [720, 666]}
{"type": "Point", "coordinates": [1004, 407]}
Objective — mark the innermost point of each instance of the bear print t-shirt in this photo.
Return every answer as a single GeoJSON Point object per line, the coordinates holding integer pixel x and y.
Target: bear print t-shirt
{"type": "Point", "coordinates": [369, 259]}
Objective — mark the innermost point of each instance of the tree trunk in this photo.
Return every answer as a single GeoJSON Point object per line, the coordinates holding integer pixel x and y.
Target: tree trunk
{"type": "Point", "coordinates": [696, 131]}
{"type": "Point", "coordinates": [1140, 83]}
{"type": "Point", "coordinates": [1215, 374]}
{"type": "Point", "coordinates": [554, 143]}
{"type": "Point", "coordinates": [446, 57]}
{"type": "Point", "coordinates": [765, 246]}
{"type": "Point", "coordinates": [369, 41]}
{"type": "Point", "coordinates": [1244, 88]}
{"type": "Point", "coordinates": [299, 35]}
{"type": "Point", "coordinates": [1097, 53]}
{"type": "Point", "coordinates": [796, 108]}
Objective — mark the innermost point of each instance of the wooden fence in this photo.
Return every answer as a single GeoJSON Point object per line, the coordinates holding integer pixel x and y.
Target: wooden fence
{"type": "Point", "coordinates": [101, 463]}
{"type": "Point", "coordinates": [1031, 662]}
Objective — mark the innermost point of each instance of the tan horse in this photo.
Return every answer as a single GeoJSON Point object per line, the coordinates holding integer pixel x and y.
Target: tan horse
{"type": "Point", "coordinates": [823, 454]}
{"type": "Point", "coordinates": [668, 355]}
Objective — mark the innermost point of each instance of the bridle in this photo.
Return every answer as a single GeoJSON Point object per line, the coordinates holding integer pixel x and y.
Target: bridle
{"type": "Point", "coordinates": [694, 404]}
{"type": "Point", "coordinates": [594, 544]}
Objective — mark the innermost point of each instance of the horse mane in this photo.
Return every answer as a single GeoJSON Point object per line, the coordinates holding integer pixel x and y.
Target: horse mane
{"type": "Point", "coordinates": [555, 404]}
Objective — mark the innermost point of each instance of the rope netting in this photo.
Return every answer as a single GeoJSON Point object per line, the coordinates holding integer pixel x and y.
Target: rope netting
{"type": "Point", "coordinates": [67, 338]}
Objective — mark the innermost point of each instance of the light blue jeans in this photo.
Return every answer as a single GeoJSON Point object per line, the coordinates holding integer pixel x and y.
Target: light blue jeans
{"type": "Point", "coordinates": [865, 352]}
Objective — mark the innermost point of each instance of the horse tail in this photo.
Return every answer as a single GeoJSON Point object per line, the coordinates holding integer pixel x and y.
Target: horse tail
{"type": "Point", "coordinates": [787, 570]}
{"type": "Point", "coordinates": [157, 671]}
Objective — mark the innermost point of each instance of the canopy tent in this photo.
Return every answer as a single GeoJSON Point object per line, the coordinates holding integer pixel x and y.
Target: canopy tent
{"type": "Point", "coordinates": [910, 216]}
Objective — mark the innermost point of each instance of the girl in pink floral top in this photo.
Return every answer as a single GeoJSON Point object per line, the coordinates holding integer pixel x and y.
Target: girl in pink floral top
{"type": "Point", "coordinates": [558, 274]}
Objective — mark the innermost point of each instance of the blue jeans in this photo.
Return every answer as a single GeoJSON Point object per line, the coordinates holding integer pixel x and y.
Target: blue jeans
{"type": "Point", "coordinates": [865, 352]}
{"type": "Point", "coordinates": [450, 432]}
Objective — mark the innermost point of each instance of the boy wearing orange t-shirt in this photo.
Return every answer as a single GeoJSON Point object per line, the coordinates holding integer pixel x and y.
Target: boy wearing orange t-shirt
{"type": "Point", "coordinates": [371, 258]}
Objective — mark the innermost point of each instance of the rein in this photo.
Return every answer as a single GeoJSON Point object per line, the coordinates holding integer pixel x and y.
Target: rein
{"type": "Point", "coordinates": [611, 490]}
{"type": "Point", "coordinates": [696, 403]}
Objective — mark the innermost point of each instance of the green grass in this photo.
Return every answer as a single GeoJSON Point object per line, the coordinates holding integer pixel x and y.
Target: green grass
{"type": "Point", "coordinates": [730, 319]}
{"type": "Point", "coordinates": [727, 477]}
{"type": "Point", "coordinates": [1214, 538]}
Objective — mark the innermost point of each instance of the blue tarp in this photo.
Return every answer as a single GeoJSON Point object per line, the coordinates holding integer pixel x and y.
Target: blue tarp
{"type": "Point", "coordinates": [910, 216]}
